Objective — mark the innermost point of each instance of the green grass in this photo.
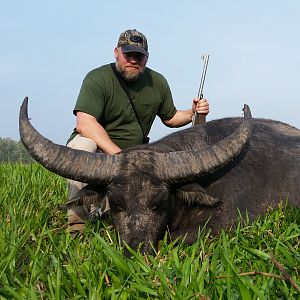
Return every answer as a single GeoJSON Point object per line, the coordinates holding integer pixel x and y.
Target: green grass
{"type": "Point", "coordinates": [39, 259]}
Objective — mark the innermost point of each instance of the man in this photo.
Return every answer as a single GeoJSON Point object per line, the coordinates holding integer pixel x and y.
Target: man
{"type": "Point", "coordinates": [116, 107]}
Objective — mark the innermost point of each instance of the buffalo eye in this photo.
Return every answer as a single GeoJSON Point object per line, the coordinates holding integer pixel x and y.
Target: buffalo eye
{"type": "Point", "coordinates": [160, 199]}
{"type": "Point", "coordinates": [116, 201]}
{"type": "Point", "coordinates": [118, 208]}
{"type": "Point", "coordinates": [117, 205]}
{"type": "Point", "coordinates": [158, 205]}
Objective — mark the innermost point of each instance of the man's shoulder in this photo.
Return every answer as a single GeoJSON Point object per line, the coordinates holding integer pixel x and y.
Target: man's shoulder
{"type": "Point", "coordinates": [156, 76]}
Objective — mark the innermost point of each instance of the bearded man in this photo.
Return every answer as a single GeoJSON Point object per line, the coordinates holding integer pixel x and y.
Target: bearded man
{"type": "Point", "coordinates": [115, 109]}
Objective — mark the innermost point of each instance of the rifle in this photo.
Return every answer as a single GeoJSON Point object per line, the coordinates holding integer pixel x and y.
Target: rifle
{"type": "Point", "coordinates": [201, 118]}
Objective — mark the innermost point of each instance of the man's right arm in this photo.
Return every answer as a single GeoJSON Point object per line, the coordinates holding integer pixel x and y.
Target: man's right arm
{"type": "Point", "coordinates": [88, 126]}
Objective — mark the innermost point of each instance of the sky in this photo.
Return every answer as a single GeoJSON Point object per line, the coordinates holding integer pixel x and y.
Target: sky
{"type": "Point", "coordinates": [47, 47]}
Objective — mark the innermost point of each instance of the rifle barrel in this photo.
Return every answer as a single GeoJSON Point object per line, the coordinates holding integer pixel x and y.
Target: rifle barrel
{"type": "Point", "coordinates": [200, 118]}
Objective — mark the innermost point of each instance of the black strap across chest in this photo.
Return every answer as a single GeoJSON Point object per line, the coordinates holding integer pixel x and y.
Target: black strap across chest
{"type": "Point", "coordinates": [123, 85]}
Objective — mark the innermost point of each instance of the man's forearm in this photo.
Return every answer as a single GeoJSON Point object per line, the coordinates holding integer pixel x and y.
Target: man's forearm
{"type": "Point", "coordinates": [93, 130]}
{"type": "Point", "coordinates": [181, 118]}
{"type": "Point", "coordinates": [102, 139]}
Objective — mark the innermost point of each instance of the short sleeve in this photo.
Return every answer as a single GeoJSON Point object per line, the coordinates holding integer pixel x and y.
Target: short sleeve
{"type": "Point", "coordinates": [91, 98]}
{"type": "Point", "coordinates": [167, 109]}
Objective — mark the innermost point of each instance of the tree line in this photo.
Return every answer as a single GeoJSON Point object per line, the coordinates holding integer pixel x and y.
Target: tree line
{"type": "Point", "coordinates": [12, 152]}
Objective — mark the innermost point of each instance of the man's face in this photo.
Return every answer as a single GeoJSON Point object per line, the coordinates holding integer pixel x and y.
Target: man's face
{"type": "Point", "coordinates": [131, 65]}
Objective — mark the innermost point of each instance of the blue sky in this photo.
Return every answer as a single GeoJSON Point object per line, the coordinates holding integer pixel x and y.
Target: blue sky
{"type": "Point", "coordinates": [48, 47]}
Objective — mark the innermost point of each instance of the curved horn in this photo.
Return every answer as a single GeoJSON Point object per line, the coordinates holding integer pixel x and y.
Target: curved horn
{"type": "Point", "coordinates": [95, 168]}
{"type": "Point", "coordinates": [186, 166]}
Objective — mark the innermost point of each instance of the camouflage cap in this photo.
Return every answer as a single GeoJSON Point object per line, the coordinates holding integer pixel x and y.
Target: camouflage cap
{"type": "Point", "coordinates": [132, 40]}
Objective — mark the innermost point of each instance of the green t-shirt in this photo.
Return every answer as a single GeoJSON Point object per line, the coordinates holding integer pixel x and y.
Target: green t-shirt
{"type": "Point", "coordinates": [102, 96]}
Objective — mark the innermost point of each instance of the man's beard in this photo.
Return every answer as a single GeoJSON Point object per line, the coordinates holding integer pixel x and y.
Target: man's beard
{"type": "Point", "coordinates": [129, 75]}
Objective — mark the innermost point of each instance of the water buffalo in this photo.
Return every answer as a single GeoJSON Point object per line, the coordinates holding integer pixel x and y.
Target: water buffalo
{"type": "Point", "coordinates": [208, 173]}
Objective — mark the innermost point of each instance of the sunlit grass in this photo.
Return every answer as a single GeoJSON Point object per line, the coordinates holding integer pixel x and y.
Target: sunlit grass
{"type": "Point", "coordinates": [39, 259]}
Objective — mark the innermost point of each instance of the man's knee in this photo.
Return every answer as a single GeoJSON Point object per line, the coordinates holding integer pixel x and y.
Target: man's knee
{"type": "Point", "coordinates": [83, 143]}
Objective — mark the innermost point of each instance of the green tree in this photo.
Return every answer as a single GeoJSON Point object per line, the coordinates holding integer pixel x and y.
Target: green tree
{"type": "Point", "coordinates": [13, 151]}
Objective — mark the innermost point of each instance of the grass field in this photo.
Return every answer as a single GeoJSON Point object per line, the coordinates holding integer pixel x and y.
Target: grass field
{"type": "Point", "coordinates": [39, 259]}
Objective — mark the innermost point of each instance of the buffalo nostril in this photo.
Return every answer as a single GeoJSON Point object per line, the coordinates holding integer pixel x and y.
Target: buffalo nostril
{"type": "Point", "coordinates": [137, 246]}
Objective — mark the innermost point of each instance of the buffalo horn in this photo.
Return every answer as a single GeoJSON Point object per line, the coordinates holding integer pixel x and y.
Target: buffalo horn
{"type": "Point", "coordinates": [93, 168]}
{"type": "Point", "coordinates": [187, 166]}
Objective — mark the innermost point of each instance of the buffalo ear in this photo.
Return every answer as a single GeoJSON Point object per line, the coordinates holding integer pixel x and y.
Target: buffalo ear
{"type": "Point", "coordinates": [88, 195]}
{"type": "Point", "coordinates": [194, 193]}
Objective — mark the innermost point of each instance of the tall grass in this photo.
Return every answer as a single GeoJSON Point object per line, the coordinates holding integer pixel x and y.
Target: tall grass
{"type": "Point", "coordinates": [39, 259]}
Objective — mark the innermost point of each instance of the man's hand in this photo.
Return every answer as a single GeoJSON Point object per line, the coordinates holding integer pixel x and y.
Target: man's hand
{"type": "Point", "coordinates": [184, 117]}
{"type": "Point", "coordinates": [201, 106]}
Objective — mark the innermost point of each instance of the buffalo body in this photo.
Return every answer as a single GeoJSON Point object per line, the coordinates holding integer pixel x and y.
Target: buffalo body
{"type": "Point", "coordinates": [204, 175]}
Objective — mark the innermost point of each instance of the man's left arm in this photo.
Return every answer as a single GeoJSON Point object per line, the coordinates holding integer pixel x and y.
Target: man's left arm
{"type": "Point", "coordinates": [184, 117]}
